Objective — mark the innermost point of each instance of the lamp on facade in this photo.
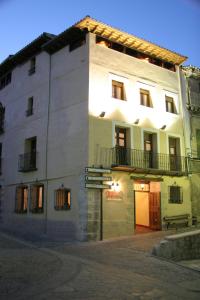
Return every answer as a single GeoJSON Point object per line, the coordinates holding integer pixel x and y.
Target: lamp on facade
{"type": "Point", "coordinates": [115, 187]}
{"type": "Point", "coordinates": [137, 121]}
{"type": "Point", "coordinates": [142, 186]}
{"type": "Point", "coordinates": [163, 127]}
{"type": "Point", "coordinates": [102, 114]}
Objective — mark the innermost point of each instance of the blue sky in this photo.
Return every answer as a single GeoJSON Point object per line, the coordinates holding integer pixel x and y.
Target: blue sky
{"type": "Point", "coordinates": [173, 24]}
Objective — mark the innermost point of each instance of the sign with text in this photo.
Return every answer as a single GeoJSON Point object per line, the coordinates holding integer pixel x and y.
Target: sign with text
{"type": "Point", "coordinates": [96, 170]}
{"type": "Point", "coordinates": [97, 186]}
{"type": "Point", "coordinates": [98, 178]}
{"type": "Point", "coordinates": [114, 195]}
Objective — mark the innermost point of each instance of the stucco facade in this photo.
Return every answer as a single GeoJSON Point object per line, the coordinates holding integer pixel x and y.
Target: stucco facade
{"type": "Point", "coordinates": [191, 90]}
{"type": "Point", "coordinates": [77, 123]}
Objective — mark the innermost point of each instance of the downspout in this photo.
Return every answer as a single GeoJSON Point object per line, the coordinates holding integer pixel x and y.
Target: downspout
{"type": "Point", "coordinates": [46, 147]}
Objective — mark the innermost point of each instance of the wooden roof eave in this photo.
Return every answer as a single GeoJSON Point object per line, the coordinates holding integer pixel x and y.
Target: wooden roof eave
{"type": "Point", "coordinates": [97, 27]}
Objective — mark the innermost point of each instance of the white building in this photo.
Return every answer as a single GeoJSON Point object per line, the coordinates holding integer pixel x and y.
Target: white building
{"type": "Point", "coordinates": [95, 97]}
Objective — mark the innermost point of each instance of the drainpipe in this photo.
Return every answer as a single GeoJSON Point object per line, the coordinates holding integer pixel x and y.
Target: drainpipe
{"type": "Point", "coordinates": [46, 147]}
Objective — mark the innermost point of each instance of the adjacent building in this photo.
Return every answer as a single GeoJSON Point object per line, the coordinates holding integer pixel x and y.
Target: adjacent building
{"type": "Point", "coordinates": [93, 141]}
{"type": "Point", "coordinates": [191, 100]}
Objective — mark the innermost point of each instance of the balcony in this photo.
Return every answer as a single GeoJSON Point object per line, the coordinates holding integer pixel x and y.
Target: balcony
{"type": "Point", "coordinates": [27, 162]}
{"type": "Point", "coordinates": [139, 161]}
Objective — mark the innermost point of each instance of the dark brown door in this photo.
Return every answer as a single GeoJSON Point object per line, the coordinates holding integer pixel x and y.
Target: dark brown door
{"type": "Point", "coordinates": [150, 150]}
{"type": "Point", "coordinates": [121, 146]}
{"type": "Point", "coordinates": [154, 211]}
{"type": "Point", "coordinates": [174, 154]}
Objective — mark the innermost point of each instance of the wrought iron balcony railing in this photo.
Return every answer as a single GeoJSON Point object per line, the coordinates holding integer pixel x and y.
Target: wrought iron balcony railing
{"type": "Point", "coordinates": [27, 162]}
{"type": "Point", "coordinates": [140, 160]}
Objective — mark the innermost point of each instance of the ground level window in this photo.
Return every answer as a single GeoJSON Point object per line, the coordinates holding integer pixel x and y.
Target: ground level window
{"type": "Point", "coordinates": [62, 199]}
{"type": "Point", "coordinates": [21, 200]}
{"type": "Point", "coordinates": [175, 194]}
{"type": "Point", "coordinates": [37, 198]}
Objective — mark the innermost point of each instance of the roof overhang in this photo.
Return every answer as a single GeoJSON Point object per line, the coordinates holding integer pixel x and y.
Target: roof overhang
{"type": "Point", "coordinates": [130, 41]}
{"type": "Point", "coordinates": [30, 50]}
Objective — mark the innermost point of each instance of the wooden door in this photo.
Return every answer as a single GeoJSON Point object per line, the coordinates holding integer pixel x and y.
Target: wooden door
{"type": "Point", "coordinates": [174, 153]}
{"type": "Point", "coordinates": [154, 211]}
{"type": "Point", "coordinates": [121, 146]}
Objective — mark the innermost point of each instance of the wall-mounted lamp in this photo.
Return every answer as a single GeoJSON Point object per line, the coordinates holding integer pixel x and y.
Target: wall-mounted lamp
{"type": "Point", "coordinates": [137, 121]}
{"type": "Point", "coordinates": [142, 186]}
{"type": "Point", "coordinates": [102, 114]}
{"type": "Point", "coordinates": [163, 127]}
{"type": "Point", "coordinates": [115, 187]}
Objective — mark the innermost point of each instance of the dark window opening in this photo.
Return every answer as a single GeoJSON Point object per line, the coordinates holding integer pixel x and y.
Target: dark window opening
{"type": "Point", "coordinates": [5, 80]}
{"type": "Point", "coordinates": [2, 117]}
{"type": "Point", "coordinates": [32, 66]}
{"type": "Point", "coordinates": [198, 142]}
{"type": "Point", "coordinates": [0, 158]}
{"type": "Point", "coordinates": [62, 199]}
{"type": "Point", "coordinates": [21, 200]}
{"type": "Point", "coordinates": [27, 161]}
{"type": "Point", "coordinates": [29, 111]}
{"type": "Point", "coordinates": [175, 194]}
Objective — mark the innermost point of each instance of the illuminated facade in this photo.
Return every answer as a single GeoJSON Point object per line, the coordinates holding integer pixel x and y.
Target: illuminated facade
{"type": "Point", "coordinates": [92, 97]}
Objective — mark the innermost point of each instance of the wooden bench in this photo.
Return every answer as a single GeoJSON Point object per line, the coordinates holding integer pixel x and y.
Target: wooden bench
{"type": "Point", "coordinates": [175, 220]}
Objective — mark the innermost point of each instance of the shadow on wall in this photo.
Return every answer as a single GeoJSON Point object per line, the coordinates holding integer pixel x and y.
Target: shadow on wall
{"type": "Point", "coordinates": [38, 230]}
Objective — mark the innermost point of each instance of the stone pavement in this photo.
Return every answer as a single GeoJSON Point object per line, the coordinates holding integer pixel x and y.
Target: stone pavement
{"type": "Point", "coordinates": [115, 269]}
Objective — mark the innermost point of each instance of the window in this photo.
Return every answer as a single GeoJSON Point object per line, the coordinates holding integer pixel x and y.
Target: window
{"type": "Point", "coordinates": [198, 142]}
{"type": "Point", "coordinates": [37, 198]}
{"type": "Point", "coordinates": [5, 80]}
{"type": "Point", "coordinates": [145, 98]}
{"type": "Point", "coordinates": [2, 116]}
{"type": "Point", "coordinates": [170, 106]}
{"type": "Point", "coordinates": [21, 200]}
{"type": "Point", "coordinates": [62, 199]}
{"type": "Point", "coordinates": [118, 91]}
{"type": "Point", "coordinates": [175, 162]}
{"type": "Point", "coordinates": [29, 111]}
{"type": "Point", "coordinates": [175, 194]}
{"type": "Point", "coordinates": [27, 161]}
{"type": "Point", "coordinates": [32, 66]}
{"type": "Point", "coordinates": [0, 157]}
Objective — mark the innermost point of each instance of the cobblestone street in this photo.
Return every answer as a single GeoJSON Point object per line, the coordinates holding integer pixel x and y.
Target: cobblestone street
{"type": "Point", "coordinates": [115, 269]}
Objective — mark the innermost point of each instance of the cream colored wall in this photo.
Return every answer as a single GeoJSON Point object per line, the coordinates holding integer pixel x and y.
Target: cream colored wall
{"type": "Point", "coordinates": [119, 214]}
{"type": "Point", "coordinates": [107, 64]}
{"type": "Point", "coordinates": [172, 209]}
{"type": "Point", "coordinates": [142, 208]}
